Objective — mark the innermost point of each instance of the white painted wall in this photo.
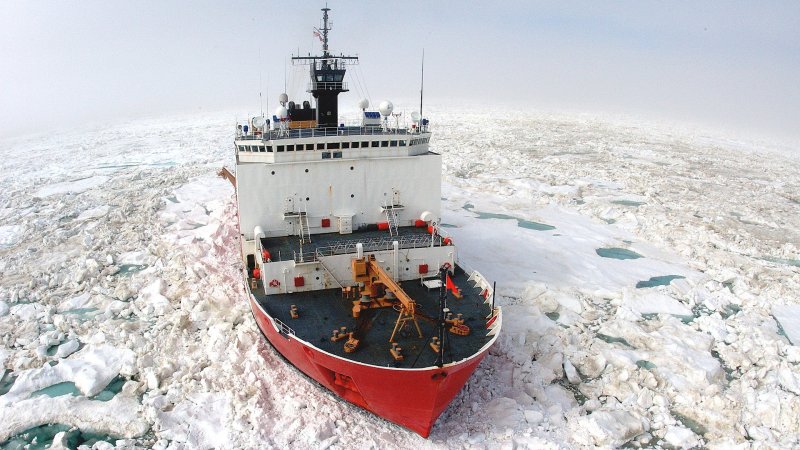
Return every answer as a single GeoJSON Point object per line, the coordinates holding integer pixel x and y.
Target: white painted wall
{"type": "Point", "coordinates": [265, 191]}
{"type": "Point", "coordinates": [316, 277]}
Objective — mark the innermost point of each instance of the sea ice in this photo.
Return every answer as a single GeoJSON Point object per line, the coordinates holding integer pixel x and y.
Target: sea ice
{"type": "Point", "coordinates": [71, 187]}
{"type": "Point", "coordinates": [10, 235]}
{"type": "Point", "coordinates": [137, 225]}
{"type": "Point", "coordinates": [789, 318]}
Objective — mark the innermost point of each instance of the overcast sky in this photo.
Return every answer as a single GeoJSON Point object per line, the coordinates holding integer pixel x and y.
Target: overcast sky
{"type": "Point", "coordinates": [723, 64]}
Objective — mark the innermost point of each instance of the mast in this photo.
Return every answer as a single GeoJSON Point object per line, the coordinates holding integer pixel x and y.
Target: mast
{"type": "Point", "coordinates": [325, 30]}
{"type": "Point", "coordinates": [327, 75]}
{"type": "Point", "coordinates": [442, 314]}
{"type": "Point", "coordinates": [422, 82]}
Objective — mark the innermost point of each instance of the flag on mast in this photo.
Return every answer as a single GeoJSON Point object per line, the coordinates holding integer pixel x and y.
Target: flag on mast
{"type": "Point", "coordinates": [318, 34]}
{"type": "Point", "coordinates": [450, 285]}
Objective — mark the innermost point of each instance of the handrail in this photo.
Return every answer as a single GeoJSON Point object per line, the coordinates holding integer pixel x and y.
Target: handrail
{"type": "Point", "coordinates": [326, 86]}
{"type": "Point", "coordinates": [369, 245]}
{"type": "Point", "coordinates": [283, 328]}
{"type": "Point", "coordinates": [299, 133]}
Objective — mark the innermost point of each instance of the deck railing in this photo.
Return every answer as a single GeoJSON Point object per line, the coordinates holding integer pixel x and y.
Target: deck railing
{"type": "Point", "coordinates": [358, 130]}
{"type": "Point", "coordinates": [283, 328]}
{"type": "Point", "coordinates": [369, 245]}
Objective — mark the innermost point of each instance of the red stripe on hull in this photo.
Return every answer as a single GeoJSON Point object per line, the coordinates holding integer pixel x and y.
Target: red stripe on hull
{"type": "Point", "coordinates": [413, 398]}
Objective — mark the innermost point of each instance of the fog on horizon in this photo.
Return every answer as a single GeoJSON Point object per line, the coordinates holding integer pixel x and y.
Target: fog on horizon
{"type": "Point", "coordinates": [719, 64]}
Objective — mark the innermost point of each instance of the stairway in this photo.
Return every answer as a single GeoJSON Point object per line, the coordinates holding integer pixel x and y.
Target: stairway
{"type": "Point", "coordinates": [391, 217]}
{"type": "Point", "coordinates": [305, 229]}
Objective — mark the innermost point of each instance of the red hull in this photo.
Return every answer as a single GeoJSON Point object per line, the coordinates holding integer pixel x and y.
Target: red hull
{"type": "Point", "coordinates": [413, 398]}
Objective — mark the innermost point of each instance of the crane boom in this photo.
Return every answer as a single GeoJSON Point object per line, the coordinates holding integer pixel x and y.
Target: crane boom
{"type": "Point", "coordinates": [368, 271]}
{"type": "Point", "coordinates": [390, 284]}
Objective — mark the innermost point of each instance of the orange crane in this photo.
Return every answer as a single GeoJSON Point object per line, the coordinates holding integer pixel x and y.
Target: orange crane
{"type": "Point", "coordinates": [367, 271]}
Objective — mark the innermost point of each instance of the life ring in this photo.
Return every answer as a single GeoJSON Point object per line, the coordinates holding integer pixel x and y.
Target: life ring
{"type": "Point", "coordinates": [274, 283]}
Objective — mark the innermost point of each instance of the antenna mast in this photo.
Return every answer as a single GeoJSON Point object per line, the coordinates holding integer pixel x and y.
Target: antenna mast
{"type": "Point", "coordinates": [325, 29]}
{"type": "Point", "coordinates": [422, 82]}
{"type": "Point", "coordinates": [260, 83]}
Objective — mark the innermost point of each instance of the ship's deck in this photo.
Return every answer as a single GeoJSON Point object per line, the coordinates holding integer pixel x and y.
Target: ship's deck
{"type": "Point", "coordinates": [320, 312]}
{"type": "Point", "coordinates": [284, 248]}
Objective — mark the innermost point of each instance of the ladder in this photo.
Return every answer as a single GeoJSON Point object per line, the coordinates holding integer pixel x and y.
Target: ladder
{"type": "Point", "coordinates": [391, 218]}
{"type": "Point", "coordinates": [305, 230]}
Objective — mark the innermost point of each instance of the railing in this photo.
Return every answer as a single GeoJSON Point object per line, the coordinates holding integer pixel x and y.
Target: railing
{"type": "Point", "coordinates": [283, 328]}
{"type": "Point", "coordinates": [304, 257]}
{"type": "Point", "coordinates": [347, 246]}
{"type": "Point", "coordinates": [298, 133]}
{"type": "Point", "coordinates": [327, 86]}
{"type": "Point", "coordinates": [369, 245]}
{"type": "Point", "coordinates": [378, 244]}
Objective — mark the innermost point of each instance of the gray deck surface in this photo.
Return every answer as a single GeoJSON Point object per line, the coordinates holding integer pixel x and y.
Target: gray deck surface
{"type": "Point", "coordinates": [324, 310]}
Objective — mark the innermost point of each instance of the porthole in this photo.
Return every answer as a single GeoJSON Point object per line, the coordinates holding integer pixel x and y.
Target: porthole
{"type": "Point", "coordinates": [352, 195]}
{"type": "Point", "coordinates": [307, 199]}
{"type": "Point", "coordinates": [351, 167]}
{"type": "Point", "coordinates": [306, 170]}
{"type": "Point", "coordinates": [273, 172]}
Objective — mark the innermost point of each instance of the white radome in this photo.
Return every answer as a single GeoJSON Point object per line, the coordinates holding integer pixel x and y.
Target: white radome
{"type": "Point", "coordinates": [429, 217]}
{"type": "Point", "coordinates": [415, 116]}
{"type": "Point", "coordinates": [281, 112]}
{"type": "Point", "coordinates": [386, 107]}
{"type": "Point", "coordinates": [283, 98]}
{"type": "Point", "coordinates": [363, 104]}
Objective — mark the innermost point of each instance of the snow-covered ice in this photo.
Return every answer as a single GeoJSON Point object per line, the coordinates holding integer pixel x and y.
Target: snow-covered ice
{"type": "Point", "coordinates": [649, 275]}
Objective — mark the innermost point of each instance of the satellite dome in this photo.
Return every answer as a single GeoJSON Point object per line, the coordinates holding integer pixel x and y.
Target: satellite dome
{"type": "Point", "coordinates": [258, 121]}
{"type": "Point", "coordinates": [429, 217]}
{"type": "Point", "coordinates": [283, 98]}
{"type": "Point", "coordinates": [415, 116]}
{"type": "Point", "coordinates": [281, 112]}
{"type": "Point", "coordinates": [363, 104]}
{"type": "Point", "coordinates": [386, 107]}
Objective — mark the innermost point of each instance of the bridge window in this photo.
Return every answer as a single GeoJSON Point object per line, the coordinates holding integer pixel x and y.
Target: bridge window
{"type": "Point", "coordinates": [290, 148]}
{"type": "Point", "coordinates": [375, 143]}
{"type": "Point", "coordinates": [355, 144]}
{"type": "Point", "coordinates": [326, 155]}
{"type": "Point", "coordinates": [384, 143]}
{"type": "Point", "coordinates": [269, 149]}
{"type": "Point", "coordinates": [320, 146]}
{"type": "Point", "coordinates": [333, 145]}
{"type": "Point", "coordinates": [309, 146]}
{"type": "Point", "coordinates": [393, 143]}
{"type": "Point", "coordinates": [345, 145]}
{"type": "Point", "coordinates": [242, 148]}
{"type": "Point", "coordinates": [402, 143]}
{"type": "Point", "coordinates": [261, 148]}
{"type": "Point", "coordinates": [337, 154]}
{"type": "Point", "coordinates": [280, 148]}
{"type": "Point", "coordinates": [364, 144]}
